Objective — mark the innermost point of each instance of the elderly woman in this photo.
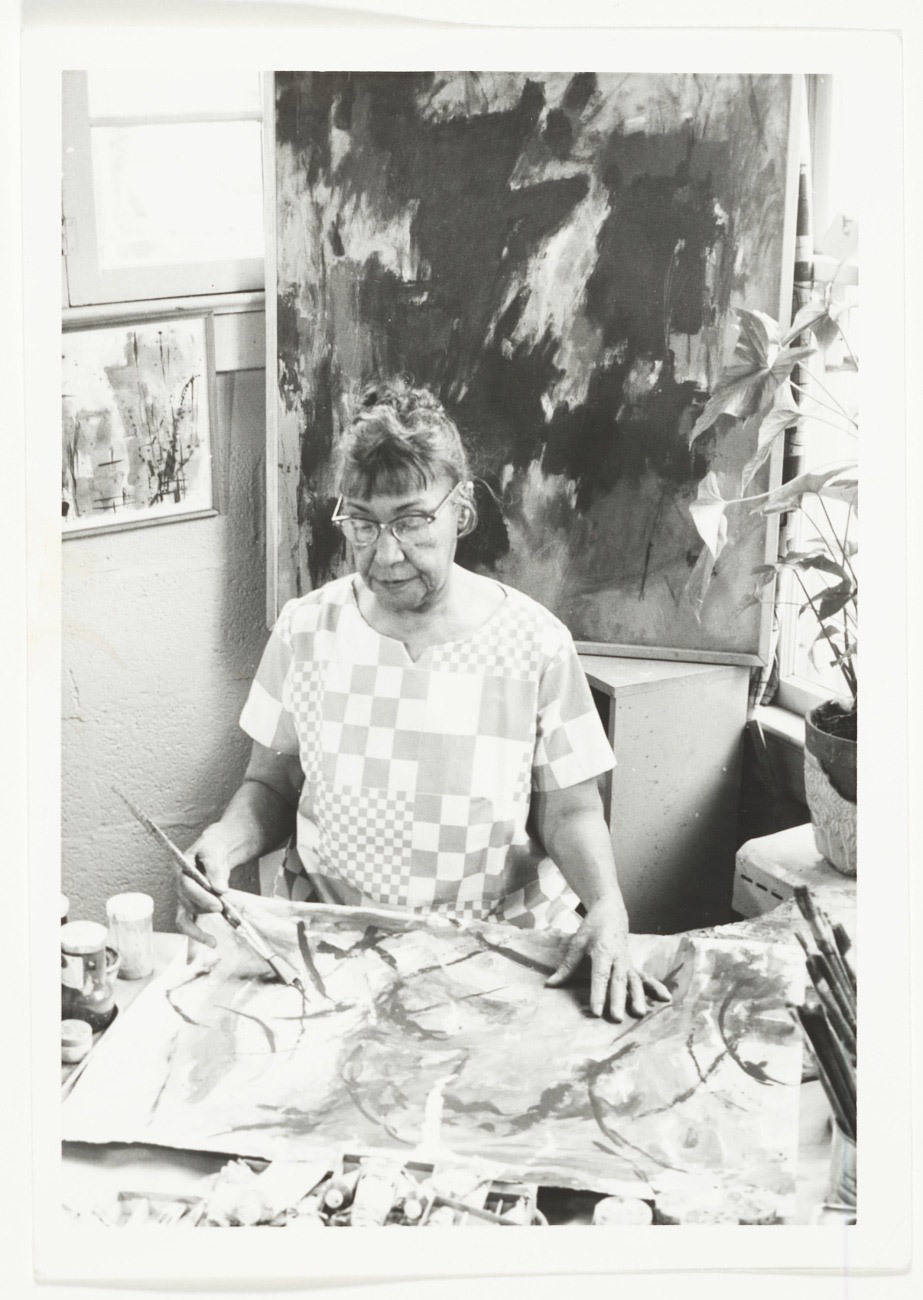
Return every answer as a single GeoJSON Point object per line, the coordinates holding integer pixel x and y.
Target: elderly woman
{"type": "Point", "coordinates": [427, 732]}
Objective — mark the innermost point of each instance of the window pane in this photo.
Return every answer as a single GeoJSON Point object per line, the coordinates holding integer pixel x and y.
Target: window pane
{"type": "Point", "coordinates": [831, 437]}
{"type": "Point", "coordinates": [143, 92]}
{"type": "Point", "coordinates": [185, 193]}
{"type": "Point", "coordinates": [815, 663]}
{"type": "Point", "coordinates": [848, 125]}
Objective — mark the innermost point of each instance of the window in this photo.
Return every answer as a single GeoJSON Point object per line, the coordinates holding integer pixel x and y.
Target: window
{"type": "Point", "coordinates": [162, 185]}
{"type": "Point", "coordinates": [830, 391]}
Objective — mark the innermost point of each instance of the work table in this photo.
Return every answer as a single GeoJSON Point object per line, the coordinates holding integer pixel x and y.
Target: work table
{"type": "Point", "coordinates": [97, 1173]}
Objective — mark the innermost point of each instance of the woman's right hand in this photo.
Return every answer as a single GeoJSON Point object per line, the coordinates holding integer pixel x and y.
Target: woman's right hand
{"type": "Point", "coordinates": [211, 856]}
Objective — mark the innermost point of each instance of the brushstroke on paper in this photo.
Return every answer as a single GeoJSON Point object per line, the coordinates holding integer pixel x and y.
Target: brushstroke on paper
{"type": "Point", "coordinates": [441, 1042]}
{"type": "Point", "coordinates": [557, 256]}
{"type": "Point", "coordinates": [136, 423]}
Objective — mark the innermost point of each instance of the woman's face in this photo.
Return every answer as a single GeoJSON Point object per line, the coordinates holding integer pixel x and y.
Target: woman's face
{"type": "Point", "coordinates": [407, 574]}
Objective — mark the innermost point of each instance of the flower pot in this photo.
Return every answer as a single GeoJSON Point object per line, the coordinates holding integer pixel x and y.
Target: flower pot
{"type": "Point", "coordinates": [830, 782]}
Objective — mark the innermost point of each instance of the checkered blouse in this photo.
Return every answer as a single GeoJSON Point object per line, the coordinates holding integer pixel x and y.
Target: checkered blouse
{"type": "Point", "coordinates": [418, 774]}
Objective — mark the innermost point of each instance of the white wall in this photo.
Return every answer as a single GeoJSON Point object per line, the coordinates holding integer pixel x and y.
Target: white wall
{"type": "Point", "coordinates": [162, 629]}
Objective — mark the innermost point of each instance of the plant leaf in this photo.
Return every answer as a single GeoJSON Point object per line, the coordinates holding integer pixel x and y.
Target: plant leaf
{"type": "Point", "coordinates": [781, 417]}
{"type": "Point", "coordinates": [699, 581]}
{"type": "Point", "coordinates": [812, 560]}
{"type": "Point", "coordinates": [821, 319]}
{"type": "Point", "coordinates": [830, 601]}
{"type": "Point", "coordinates": [818, 482]}
{"type": "Point", "coordinates": [759, 365]}
{"type": "Point", "coordinates": [708, 514]}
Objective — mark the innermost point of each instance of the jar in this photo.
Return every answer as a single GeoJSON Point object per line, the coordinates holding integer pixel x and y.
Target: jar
{"type": "Point", "coordinates": [86, 989]}
{"type": "Point", "coordinates": [131, 933]}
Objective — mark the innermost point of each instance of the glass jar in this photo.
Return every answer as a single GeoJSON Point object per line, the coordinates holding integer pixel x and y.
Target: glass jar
{"type": "Point", "coordinates": [86, 989]}
{"type": "Point", "coordinates": [131, 933]}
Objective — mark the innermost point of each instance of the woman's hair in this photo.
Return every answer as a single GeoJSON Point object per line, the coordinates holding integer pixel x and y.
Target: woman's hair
{"type": "Point", "coordinates": [401, 438]}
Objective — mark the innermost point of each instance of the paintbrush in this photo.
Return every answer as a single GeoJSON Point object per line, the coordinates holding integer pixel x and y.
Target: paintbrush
{"type": "Point", "coordinates": [254, 940]}
{"type": "Point", "coordinates": [820, 972]}
{"type": "Point", "coordinates": [839, 1068]}
{"type": "Point", "coordinates": [843, 944]}
{"type": "Point", "coordinates": [837, 1021]}
{"type": "Point", "coordinates": [838, 977]}
{"type": "Point", "coordinates": [832, 1087]}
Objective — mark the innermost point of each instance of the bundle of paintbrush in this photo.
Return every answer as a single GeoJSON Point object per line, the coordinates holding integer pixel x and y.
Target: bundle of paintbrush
{"type": "Point", "coordinates": [828, 1019]}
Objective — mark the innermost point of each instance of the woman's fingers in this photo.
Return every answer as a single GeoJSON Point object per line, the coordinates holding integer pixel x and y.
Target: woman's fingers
{"type": "Point", "coordinates": [637, 1003]}
{"type": "Point", "coordinates": [617, 982]}
{"type": "Point", "coordinates": [656, 989]}
{"type": "Point", "coordinates": [572, 957]}
{"type": "Point", "coordinates": [186, 925]}
{"type": "Point", "coordinates": [196, 898]}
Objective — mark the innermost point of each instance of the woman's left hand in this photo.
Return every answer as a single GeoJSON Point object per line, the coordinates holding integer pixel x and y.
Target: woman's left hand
{"type": "Point", "coordinates": [614, 982]}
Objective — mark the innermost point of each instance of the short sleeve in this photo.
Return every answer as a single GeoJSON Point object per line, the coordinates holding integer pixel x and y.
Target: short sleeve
{"type": "Point", "coordinates": [267, 715]}
{"type": "Point", "coordinates": [571, 745]}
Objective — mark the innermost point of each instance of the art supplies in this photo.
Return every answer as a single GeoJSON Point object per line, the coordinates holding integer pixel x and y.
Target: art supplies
{"type": "Point", "coordinates": [76, 1041]}
{"type": "Point", "coordinates": [86, 987]}
{"type": "Point", "coordinates": [714, 1201]}
{"type": "Point", "coordinates": [622, 1210]}
{"type": "Point", "coordinates": [131, 931]}
{"type": "Point", "coordinates": [253, 939]}
{"type": "Point", "coordinates": [215, 1057]}
{"type": "Point", "coordinates": [828, 1020]}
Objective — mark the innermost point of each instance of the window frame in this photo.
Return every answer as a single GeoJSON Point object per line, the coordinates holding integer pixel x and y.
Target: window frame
{"type": "Point", "coordinates": [796, 693]}
{"type": "Point", "coordinates": [85, 283]}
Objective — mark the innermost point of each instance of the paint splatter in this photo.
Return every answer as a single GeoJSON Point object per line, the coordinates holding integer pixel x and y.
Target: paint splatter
{"type": "Point", "coordinates": [556, 256]}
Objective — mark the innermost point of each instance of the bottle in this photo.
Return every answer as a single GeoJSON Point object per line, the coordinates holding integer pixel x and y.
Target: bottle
{"type": "Point", "coordinates": [86, 990]}
{"type": "Point", "coordinates": [131, 933]}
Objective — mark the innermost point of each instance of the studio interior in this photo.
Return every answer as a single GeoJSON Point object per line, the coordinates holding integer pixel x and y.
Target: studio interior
{"type": "Point", "coordinates": [459, 528]}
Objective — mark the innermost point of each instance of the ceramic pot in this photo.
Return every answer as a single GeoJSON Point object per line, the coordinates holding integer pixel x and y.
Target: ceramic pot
{"type": "Point", "coordinates": [830, 783]}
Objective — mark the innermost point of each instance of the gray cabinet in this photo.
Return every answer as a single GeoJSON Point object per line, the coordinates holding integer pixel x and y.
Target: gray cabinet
{"type": "Point", "coordinates": [671, 802]}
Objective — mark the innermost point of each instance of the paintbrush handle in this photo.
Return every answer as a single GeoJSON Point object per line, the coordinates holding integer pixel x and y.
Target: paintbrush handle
{"type": "Point", "coordinates": [832, 1080]}
{"type": "Point", "coordinates": [844, 944]}
{"type": "Point", "coordinates": [837, 1020]}
{"type": "Point", "coordinates": [835, 955]}
{"type": "Point", "coordinates": [830, 1092]}
{"type": "Point", "coordinates": [838, 1068]}
{"type": "Point", "coordinates": [258, 945]}
{"type": "Point", "coordinates": [823, 937]}
{"type": "Point", "coordinates": [819, 970]}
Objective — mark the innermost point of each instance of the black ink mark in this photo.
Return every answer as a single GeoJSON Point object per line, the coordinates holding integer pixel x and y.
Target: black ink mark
{"type": "Point", "coordinates": [171, 993]}
{"type": "Point", "coordinates": [305, 949]}
{"type": "Point", "coordinates": [256, 1020]}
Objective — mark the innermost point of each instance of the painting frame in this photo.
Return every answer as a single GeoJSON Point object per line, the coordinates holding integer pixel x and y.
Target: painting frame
{"type": "Point", "coordinates": [758, 652]}
{"type": "Point", "coordinates": [203, 501]}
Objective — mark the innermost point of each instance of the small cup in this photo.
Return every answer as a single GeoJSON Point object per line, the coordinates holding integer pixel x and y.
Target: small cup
{"type": "Point", "coordinates": [131, 933]}
{"type": "Point", "coordinates": [76, 1041]}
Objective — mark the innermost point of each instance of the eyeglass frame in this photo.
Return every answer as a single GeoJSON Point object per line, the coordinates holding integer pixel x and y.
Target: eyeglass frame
{"type": "Point", "coordinates": [429, 515]}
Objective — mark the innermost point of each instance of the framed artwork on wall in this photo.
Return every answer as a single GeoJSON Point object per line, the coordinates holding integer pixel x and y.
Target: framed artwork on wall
{"type": "Point", "coordinates": [558, 256]}
{"type": "Point", "coordinates": [138, 424]}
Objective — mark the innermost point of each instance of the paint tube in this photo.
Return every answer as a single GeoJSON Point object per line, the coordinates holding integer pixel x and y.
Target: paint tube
{"type": "Point", "coordinates": [376, 1192]}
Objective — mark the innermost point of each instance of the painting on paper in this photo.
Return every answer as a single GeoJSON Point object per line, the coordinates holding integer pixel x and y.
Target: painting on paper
{"type": "Point", "coordinates": [137, 424]}
{"type": "Point", "coordinates": [441, 1042]}
{"type": "Point", "coordinates": [557, 256]}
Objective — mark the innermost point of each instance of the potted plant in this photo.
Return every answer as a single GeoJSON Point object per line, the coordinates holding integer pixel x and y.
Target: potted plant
{"type": "Point", "coordinates": [756, 393]}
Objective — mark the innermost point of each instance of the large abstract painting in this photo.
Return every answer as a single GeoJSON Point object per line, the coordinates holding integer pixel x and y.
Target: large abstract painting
{"type": "Point", "coordinates": [137, 430]}
{"type": "Point", "coordinates": [558, 257]}
{"type": "Point", "coordinates": [440, 1042]}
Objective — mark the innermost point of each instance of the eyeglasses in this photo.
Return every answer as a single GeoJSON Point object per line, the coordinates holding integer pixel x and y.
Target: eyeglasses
{"type": "Point", "coordinates": [407, 530]}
